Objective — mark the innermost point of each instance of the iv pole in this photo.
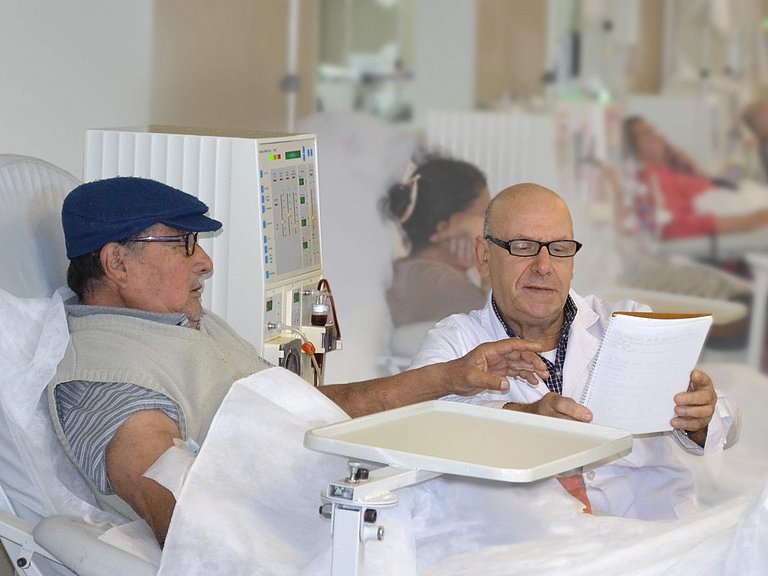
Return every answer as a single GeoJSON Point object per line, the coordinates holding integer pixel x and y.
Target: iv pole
{"type": "Point", "coordinates": [290, 83]}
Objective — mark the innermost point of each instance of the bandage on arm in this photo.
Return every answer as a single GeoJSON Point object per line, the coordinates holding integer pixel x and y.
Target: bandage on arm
{"type": "Point", "coordinates": [137, 444]}
{"type": "Point", "coordinates": [170, 470]}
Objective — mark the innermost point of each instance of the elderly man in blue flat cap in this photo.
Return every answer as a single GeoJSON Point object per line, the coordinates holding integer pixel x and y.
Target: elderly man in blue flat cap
{"type": "Point", "coordinates": [146, 364]}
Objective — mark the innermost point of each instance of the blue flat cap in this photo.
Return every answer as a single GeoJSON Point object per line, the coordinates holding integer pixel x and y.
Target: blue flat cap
{"type": "Point", "coordinates": [114, 209]}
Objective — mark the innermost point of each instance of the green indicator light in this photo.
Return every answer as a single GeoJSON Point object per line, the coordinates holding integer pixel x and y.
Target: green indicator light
{"type": "Point", "coordinates": [269, 305]}
{"type": "Point", "coordinates": [293, 155]}
{"type": "Point", "coordinates": [764, 22]}
{"type": "Point", "coordinates": [302, 200]}
{"type": "Point", "coordinates": [303, 221]}
{"type": "Point", "coordinates": [301, 181]}
{"type": "Point", "coordinates": [296, 297]}
{"type": "Point", "coordinates": [306, 245]}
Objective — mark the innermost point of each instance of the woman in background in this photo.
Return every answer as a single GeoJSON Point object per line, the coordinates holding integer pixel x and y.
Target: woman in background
{"type": "Point", "coordinates": [439, 207]}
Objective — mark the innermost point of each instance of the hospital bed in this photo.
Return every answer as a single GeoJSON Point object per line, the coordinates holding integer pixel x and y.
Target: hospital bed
{"type": "Point", "coordinates": [35, 531]}
{"type": "Point", "coordinates": [34, 524]}
{"type": "Point", "coordinates": [749, 197]}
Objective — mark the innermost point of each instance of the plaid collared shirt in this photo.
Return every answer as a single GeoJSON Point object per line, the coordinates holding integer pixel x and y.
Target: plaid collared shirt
{"type": "Point", "coordinates": [555, 380]}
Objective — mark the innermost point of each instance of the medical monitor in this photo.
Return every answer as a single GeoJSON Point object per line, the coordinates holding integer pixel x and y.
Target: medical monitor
{"type": "Point", "coordinates": [263, 187]}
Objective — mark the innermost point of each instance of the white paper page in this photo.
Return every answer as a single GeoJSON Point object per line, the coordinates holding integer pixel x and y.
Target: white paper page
{"type": "Point", "coordinates": [641, 365]}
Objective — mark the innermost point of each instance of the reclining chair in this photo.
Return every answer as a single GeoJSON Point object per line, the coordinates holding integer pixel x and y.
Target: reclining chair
{"type": "Point", "coordinates": [39, 489]}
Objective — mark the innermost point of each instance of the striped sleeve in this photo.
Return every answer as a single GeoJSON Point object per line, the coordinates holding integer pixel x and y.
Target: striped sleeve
{"type": "Point", "coordinates": [91, 412]}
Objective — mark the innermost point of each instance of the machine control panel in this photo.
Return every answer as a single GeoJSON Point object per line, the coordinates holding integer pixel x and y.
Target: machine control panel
{"type": "Point", "coordinates": [289, 216]}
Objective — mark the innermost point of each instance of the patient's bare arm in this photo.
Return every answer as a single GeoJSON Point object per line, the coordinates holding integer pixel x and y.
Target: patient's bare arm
{"type": "Point", "coordinates": [484, 368]}
{"type": "Point", "coordinates": [742, 222]}
{"type": "Point", "coordinates": [137, 444]}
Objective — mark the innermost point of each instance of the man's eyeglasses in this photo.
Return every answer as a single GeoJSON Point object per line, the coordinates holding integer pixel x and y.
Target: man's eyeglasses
{"type": "Point", "coordinates": [527, 248]}
{"type": "Point", "coordinates": [189, 240]}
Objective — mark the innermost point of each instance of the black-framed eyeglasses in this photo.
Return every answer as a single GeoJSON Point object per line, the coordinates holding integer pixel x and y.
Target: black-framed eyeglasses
{"type": "Point", "coordinates": [189, 240]}
{"type": "Point", "coordinates": [528, 248]}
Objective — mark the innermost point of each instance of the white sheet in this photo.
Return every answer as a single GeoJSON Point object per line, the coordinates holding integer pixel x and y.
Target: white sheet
{"type": "Point", "coordinates": [749, 197]}
{"type": "Point", "coordinates": [253, 494]}
{"type": "Point", "coordinates": [251, 500]}
{"type": "Point", "coordinates": [36, 474]}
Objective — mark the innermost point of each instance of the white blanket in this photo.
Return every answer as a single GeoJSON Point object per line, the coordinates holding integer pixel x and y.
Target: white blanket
{"type": "Point", "coordinates": [36, 474]}
{"type": "Point", "coordinates": [750, 196]}
{"type": "Point", "coordinates": [254, 491]}
{"type": "Point", "coordinates": [250, 506]}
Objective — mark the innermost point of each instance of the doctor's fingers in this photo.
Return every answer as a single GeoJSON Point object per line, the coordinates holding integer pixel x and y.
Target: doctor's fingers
{"type": "Point", "coordinates": [698, 394]}
{"type": "Point", "coordinates": [692, 422]}
{"type": "Point", "coordinates": [702, 411]}
{"type": "Point", "coordinates": [707, 397]}
{"type": "Point", "coordinates": [700, 380]}
{"type": "Point", "coordinates": [557, 406]}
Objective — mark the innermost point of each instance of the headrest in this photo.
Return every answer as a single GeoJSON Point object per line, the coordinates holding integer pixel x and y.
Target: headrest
{"type": "Point", "coordinates": [32, 254]}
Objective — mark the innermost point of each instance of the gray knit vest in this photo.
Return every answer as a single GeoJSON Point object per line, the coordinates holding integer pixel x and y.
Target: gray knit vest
{"type": "Point", "coordinates": [194, 368]}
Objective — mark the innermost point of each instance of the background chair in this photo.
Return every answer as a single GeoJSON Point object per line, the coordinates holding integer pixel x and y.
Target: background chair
{"type": "Point", "coordinates": [32, 255]}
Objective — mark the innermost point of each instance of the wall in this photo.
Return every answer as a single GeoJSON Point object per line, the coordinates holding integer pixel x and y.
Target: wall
{"type": "Point", "coordinates": [220, 64]}
{"type": "Point", "coordinates": [646, 67]}
{"type": "Point", "coordinates": [511, 48]}
{"type": "Point", "coordinates": [444, 55]}
{"type": "Point", "coordinates": [70, 65]}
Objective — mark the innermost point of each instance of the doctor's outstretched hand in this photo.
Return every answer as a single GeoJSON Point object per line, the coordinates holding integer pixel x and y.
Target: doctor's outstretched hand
{"type": "Point", "coordinates": [694, 408]}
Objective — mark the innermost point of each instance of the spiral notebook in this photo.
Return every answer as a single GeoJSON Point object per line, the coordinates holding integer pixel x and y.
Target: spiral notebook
{"type": "Point", "coordinates": [643, 361]}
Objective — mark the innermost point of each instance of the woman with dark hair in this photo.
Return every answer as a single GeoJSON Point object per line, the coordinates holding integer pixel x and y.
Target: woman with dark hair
{"type": "Point", "coordinates": [439, 207]}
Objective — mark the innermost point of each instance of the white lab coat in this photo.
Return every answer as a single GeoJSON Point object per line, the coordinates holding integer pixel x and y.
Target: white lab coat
{"type": "Point", "coordinates": [650, 482]}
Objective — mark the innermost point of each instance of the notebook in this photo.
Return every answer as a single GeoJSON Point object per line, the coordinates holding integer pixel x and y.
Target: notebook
{"type": "Point", "coordinates": [643, 361]}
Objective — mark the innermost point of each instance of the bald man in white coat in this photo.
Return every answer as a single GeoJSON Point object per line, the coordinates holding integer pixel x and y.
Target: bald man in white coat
{"type": "Point", "coordinates": [527, 252]}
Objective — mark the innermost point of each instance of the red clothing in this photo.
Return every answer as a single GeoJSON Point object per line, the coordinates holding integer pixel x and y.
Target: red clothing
{"type": "Point", "coordinates": [679, 190]}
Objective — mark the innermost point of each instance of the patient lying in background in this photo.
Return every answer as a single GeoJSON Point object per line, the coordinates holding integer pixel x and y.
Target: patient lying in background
{"type": "Point", "coordinates": [439, 208]}
{"type": "Point", "coordinates": [679, 183]}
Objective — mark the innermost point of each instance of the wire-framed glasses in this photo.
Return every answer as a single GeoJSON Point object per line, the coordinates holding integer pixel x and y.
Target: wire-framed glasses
{"type": "Point", "coordinates": [189, 240]}
{"type": "Point", "coordinates": [527, 248]}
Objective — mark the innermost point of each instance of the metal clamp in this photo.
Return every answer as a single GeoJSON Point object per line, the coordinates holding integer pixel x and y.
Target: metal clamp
{"type": "Point", "coordinates": [352, 505]}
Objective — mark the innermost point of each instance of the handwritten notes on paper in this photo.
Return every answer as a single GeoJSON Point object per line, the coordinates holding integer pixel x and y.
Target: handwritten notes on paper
{"type": "Point", "coordinates": [643, 361]}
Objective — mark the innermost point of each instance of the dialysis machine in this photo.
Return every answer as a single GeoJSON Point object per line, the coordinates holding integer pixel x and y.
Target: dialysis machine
{"type": "Point", "coordinates": [263, 186]}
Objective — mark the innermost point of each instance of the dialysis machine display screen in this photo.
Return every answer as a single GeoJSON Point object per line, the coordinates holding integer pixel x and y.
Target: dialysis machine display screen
{"type": "Point", "coordinates": [289, 207]}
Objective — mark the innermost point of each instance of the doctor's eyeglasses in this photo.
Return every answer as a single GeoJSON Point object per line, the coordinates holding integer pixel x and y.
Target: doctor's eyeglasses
{"type": "Point", "coordinates": [527, 248]}
{"type": "Point", "coordinates": [189, 240]}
